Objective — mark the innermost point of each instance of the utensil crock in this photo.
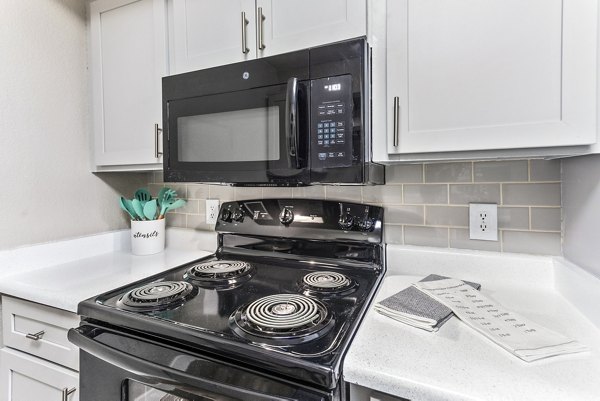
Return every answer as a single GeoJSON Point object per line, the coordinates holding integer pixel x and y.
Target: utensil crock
{"type": "Point", "coordinates": [147, 237]}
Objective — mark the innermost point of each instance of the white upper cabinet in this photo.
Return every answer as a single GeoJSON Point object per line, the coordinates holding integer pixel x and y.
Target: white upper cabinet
{"type": "Point", "coordinates": [128, 59]}
{"type": "Point", "coordinates": [467, 75]}
{"type": "Point", "coordinates": [208, 33]}
{"type": "Point", "coordinates": [288, 25]}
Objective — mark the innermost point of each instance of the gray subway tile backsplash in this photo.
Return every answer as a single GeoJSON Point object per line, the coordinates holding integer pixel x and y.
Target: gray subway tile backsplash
{"type": "Point", "coordinates": [544, 170]}
{"type": "Point", "coordinates": [176, 220]}
{"type": "Point", "coordinates": [501, 171]}
{"type": "Point", "coordinates": [406, 214]}
{"type": "Point", "coordinates": [425, 194]}
{"type": "Point", "coordinates": [426, 204]}
{"type": "Point", "coordinates": [192, 206]}
{"type": "Point", "coordinates": [531, 242]}
{"type": "Point", "coordinates": [404, 173]}
{"type": "Point", "coordinates": [545, 218]}
{"type": "Point", "coordinates": [248, 193]}
{"type": "Point", "coordinates": [455, 216]}
{"type": "Point", "coordinates": [426, 236]}
{"type": "Point", "coordinates": [393, 234]}
{"type": "Point", "coordinates": [449, 172]}
{"type": "Point", "coordinates": [459, 238]}
{"type": "Point", "coordinates": [463, 194]}
{"type": "Point", "coordinates": [387, 194]}
{"type": "Point", "coordinates": [545, 194]}
{"type": "Point", "coordinates": [197, 191]}
{"type": "Point", "coordinates": [314, 191]}
{"type": "Point", "coordinates": [513, 218]}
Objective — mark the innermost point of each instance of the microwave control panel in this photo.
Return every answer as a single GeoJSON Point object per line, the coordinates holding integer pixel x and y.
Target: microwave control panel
{"type": "Point", "coordinates": [331, 120]}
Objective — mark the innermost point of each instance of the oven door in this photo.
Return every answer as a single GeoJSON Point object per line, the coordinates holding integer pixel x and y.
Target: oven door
{"type": "Point", "coordinates": [125, 367]}
{"type": "Point", "coordinates": [251, 136]}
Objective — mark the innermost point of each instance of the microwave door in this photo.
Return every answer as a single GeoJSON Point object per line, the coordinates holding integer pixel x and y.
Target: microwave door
{"type": "Point", "coordinates": [235, 137]}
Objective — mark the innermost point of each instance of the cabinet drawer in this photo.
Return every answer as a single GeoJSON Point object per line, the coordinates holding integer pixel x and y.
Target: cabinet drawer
{"type": "Point", "coordinates": [40, 330]}
{"type": "Point", "coordinates": [25, 378]}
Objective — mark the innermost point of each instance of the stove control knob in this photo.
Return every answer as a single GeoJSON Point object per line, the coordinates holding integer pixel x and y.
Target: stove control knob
{"type": "Point", "coordinates": [226, 215]}
{"type": "Point", "coordinates": [238, 215]}
{"type": "Point", "coordinates": [365, 224]}
{"type": "Point", "coordinates": [346, 221]}
{"type": "Point", "coordinates": [286, 216]}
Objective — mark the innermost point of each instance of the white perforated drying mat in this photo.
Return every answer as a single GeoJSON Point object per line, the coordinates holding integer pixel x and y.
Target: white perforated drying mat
{"type": "Point", "coordinates": [513, 332]}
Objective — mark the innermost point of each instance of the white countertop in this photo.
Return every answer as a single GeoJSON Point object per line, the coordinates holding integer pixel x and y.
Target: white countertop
{"type": "Point", "coordinates": [64, 273]}
{"type": "Point", "coordinates": [454, 363]}
{"type": "Point", "coordinates": [457, 363]}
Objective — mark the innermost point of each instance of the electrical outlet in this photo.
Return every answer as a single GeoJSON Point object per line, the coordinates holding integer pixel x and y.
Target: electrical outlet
{"type": "Point", "coordinates": [212, 211]}
{"type": "Point", "coordinates": [483, 221]}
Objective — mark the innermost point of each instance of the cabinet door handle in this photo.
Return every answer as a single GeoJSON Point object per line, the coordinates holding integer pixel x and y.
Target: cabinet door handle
{"type": "Point", "coordinates": [37, 336]}
{"type": "Point", "coordinates": [157, 130]}
{"type": "Point", "coordinates": [260, 19]}
{"type": "Point", "coordinates": [66, 392]}
{"type": "Point", "coordinates": [245, 23]}
{"type": "Point", "coordinates": [396, 120]}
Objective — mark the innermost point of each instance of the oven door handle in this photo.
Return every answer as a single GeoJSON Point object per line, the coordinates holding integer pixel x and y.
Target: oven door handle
{"type": "Point", "coordinates": [291, 122]}
{"type": "Point", "coordinates": [157, 373]}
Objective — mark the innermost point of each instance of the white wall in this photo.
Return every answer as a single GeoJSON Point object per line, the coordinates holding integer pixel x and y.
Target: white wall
{"type": "Point", "coordinates": [581, 211]}
{"type": "Point", "coordinates": [46, 189]}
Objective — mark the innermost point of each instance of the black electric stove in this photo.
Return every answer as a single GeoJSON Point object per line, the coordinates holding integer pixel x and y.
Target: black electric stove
{"type": "Point", "coordinates": [280, 300]}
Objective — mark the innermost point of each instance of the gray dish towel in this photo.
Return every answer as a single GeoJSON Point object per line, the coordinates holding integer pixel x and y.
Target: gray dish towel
{"type": "Point", "coordinates": [417, 309]}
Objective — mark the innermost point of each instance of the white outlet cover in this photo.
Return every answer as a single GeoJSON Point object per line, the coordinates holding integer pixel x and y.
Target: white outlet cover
{"type": "Point", "coordinates": [212, 211]}
{"type": "Point", "coordinates": [483, 221]}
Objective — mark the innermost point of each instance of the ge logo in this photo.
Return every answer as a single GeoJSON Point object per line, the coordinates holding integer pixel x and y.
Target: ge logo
{"type": "Point", "coordinates": [246, 75]}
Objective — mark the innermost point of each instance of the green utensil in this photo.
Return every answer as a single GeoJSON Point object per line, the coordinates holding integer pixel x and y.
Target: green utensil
{"type": "Point", "coordinates": [139, 210]}
{"type": "Point", "coordinates": [123, 204]}
{"type": "Point", "coordinates": [163, 208]}
{"type": "Point", "coordinates": [150, 209]}
{"type": "Point", "coordinates": [143, 196]}
{"type": "Point", "coordinates": [166, 195]}
{"type": "Point", "coordinates": [170, 206]}
{"type": "Point", "coordinates": [176, 204]}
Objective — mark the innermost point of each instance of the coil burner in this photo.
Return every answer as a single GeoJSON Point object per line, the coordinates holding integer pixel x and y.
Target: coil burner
{"type": "Point", "coordinates": [327, 283]}
{"type": "Point", "coordinates": [282, 319]}
{"type": "Point", "coordinates": [220, 273]}
{"type": "Point", "coordinates": [157, 296]}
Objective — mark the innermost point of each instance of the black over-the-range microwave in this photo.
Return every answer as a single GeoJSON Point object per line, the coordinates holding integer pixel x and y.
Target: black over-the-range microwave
{"type": "Point", "coordinates": [294, 119]}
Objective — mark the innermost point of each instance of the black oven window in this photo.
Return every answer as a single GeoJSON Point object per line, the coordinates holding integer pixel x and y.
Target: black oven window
{"type": "Point", "coordinates": [241, 136]}
{"type": "Point", "coordinates": [137, 391]}
{"type": "Point", "coordinates": [142, 392]}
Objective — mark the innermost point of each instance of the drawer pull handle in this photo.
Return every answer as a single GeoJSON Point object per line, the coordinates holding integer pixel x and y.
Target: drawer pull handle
{"type": "Point", "coordinates": [66, 392]}
{"type": "Point", "coordinates": [37, 336]}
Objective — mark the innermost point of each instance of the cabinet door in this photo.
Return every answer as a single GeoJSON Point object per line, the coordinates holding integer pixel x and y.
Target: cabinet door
{"type": "Point", "coordinates": [128, 58]}
{"type": "Point", "coordinates": [289, 25]}
{"type": "Point", "coordinates": [39, 330]}
{"type": "Point", "coordinates": [26, 378]}
{"type": "Point", "coordinates": [497, 74]}
{"type": "Point", "coordinates": [207, 33]}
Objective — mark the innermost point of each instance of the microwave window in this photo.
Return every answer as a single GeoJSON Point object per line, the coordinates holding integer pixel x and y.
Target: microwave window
{"type": "Point", "coordinates": [232, 136]}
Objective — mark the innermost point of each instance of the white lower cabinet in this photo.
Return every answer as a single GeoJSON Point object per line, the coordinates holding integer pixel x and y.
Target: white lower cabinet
{"type": "Point", "coordinates": [27, 378]}
{"type": "Point", "coordinates": [38, 363]}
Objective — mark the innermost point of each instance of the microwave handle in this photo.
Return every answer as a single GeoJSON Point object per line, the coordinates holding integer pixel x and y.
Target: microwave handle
{"type": "Point", "coordinates": [291, 122]}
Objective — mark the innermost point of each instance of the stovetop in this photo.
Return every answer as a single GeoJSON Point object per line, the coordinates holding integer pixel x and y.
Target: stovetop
{"type": "Point", "coordinates": [289, 306]}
